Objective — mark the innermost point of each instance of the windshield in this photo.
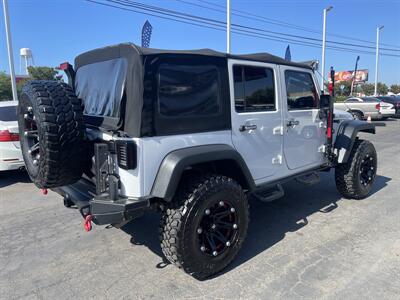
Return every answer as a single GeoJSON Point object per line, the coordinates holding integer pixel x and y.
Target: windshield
{"type": "Point", "coordinates": [8, 113]}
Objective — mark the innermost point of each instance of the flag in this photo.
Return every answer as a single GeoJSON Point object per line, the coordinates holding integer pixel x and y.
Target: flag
{"type": "Point", "coordinates": [288, 56]}
{"type": "Point", "coordinates": [146, 34]}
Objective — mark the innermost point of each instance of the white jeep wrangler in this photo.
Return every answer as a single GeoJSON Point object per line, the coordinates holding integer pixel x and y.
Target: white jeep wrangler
{"type": "Point", "coordinates": [190, 133]}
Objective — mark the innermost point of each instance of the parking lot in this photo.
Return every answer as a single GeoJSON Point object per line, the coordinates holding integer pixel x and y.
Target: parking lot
{"type": "Point", "coordinates": [309, 244]}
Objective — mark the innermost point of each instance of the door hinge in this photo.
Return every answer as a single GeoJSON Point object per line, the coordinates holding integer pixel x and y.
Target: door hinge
{"type": "Point", "coordinates": [277, 130]}
{"type": "Point", "coordinates": [277, 160]}
{"type": "Point", "coordinates": [322, 149]}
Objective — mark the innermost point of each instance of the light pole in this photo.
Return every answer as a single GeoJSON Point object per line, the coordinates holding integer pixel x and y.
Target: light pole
{"type": "Point", "coordinates": [323, 46]}
{"type": "Point", "coordinates": [354, 76]}
{"type": "Point", "coordinates": [10, 51]}
{"type": "Point", "coordinates": [378, 30]}
{"type": "Point", "coordinates": [228, 26]}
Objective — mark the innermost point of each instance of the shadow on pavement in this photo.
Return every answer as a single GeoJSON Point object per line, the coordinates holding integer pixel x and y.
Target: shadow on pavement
{"type": "Point", "coordinates": [269, 222]}
{"type": "Point", "coordinates": [11, 177]}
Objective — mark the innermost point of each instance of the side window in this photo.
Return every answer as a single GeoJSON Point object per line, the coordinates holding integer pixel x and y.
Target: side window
{"type": "Point", "coordinates": [301, 91]}
{"type": "Point", "coordinates": [352, 100]}
{"type": "Point", "coordinates": [254, 89]}
{"type": "Point", "coordinates": [188, 90]}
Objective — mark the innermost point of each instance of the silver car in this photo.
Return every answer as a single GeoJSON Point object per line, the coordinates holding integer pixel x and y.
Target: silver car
{"type": "Point", "coordinates": [363, 107]}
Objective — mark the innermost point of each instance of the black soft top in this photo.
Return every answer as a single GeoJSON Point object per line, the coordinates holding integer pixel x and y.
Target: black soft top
{"type": "Point", "coordinates": [99, 81]}
{"type": "Point", "coordinates": [137, 50]}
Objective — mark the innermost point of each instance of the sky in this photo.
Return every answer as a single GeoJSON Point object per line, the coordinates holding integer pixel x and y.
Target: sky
{"type": "Point", "coordinates": [59, 30]}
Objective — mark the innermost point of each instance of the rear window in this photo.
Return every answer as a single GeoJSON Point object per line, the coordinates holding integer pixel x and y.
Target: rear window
{"type": "Point", "coordinates": [101, 87]}
{"type": "Point", "coordinates": [188, 90]}
{"type": "Point", "coordinates": [8, 113]}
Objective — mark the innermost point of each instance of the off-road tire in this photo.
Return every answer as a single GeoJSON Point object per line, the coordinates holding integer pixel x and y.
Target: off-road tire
{"type": "Point", "coordinates": [58, 116]}
{"type": "Point", "coordinates": [179, 223]}
{"type": "Point", "coordinates": [347, 175]}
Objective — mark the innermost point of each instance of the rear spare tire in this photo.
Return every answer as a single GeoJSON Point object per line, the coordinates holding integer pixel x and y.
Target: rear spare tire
{"type": "Point", "coordinates": [51, 132]}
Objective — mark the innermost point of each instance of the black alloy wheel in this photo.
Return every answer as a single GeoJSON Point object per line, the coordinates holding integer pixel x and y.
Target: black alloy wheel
{"type": "Point", "coordinates": [367, 170]}
{"type": "Point", "coordinates": [31, 136]}
{"type": "Point", "coordinates": [218, 228]}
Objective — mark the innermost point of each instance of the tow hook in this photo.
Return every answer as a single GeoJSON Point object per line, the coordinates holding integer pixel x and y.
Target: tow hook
{"type": "Point", "coordinates": [44, 191]}
{"type": "Point", "coordinates": [87, 224]}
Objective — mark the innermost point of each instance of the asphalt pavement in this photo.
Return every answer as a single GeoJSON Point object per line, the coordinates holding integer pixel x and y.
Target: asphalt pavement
{"type": "Point", "coordinates": [311, 244]}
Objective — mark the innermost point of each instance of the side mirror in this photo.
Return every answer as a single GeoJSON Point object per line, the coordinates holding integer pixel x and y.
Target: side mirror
{"type": "Point", "coordinates": [325, 102]}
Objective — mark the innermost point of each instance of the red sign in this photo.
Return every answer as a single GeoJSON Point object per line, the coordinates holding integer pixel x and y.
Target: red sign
{"type": "Point", "coordinates": [362, 76]}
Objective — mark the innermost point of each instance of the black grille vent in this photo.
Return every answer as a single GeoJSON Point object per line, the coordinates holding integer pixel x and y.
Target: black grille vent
{"type": "Point", "coordinates": [126, 153]}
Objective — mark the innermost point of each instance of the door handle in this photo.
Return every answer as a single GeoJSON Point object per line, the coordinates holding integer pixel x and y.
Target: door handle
{"type": "Point", "coordinates": [247, 127]}
{"type": "Point", "coordinates": [292, 123]}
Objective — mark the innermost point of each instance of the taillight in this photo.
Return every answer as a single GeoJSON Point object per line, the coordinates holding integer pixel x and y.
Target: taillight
{"type": "Point", "coordinates": [6, 136]}
{"type": "Point", "coordinates": [126, 153]}
{"type": "Point", "coordinates": [378, 106]}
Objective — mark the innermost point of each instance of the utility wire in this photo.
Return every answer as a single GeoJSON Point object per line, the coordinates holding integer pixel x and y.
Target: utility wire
{"type": "Point", "coordinates": [245, 14]}
{"type": "Point", "coordinates": [211, 23]}
{"type": "Point", "coordinates": [194, 17]}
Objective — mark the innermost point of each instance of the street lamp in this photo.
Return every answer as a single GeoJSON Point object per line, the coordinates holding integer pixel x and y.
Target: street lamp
{"type": "Point", "coordinates": [378, 29]}
{"type": "Point", "coordinates": [228, 26]}
{"type": "Point", "coordinates": [354, 76]}
{"type": "Point", "coordinates": [323, 46]}
{"type": "Point", "coordinates": [10, 51]}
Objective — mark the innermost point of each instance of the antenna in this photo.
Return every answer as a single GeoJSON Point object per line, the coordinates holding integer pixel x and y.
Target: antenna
{"type": "Point", "coordinates": [26, 55]}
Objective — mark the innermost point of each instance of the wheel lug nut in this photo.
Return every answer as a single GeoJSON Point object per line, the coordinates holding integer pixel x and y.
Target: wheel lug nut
{"type": "Point", "coordinates": [372, 168]}
{"type": "Point", "coordinates": [35, 162]}
{"type": "Point", "coordinates": [370, 158]}
{"type": "Point", "coordinates": [235, 226]}
{"type": "Point", "coordinates": [199, 230]}
{"type": "Point", "coordinates": [221, 203]}
{"type": "Point", "coordinates": [25, 116]}
{"type": "Point", "coordinates": [202, 248]}
{"type": "Point", "coordinates": [29, 151]}
{"type": "Point", "coordinates": [228, 243]}
{"type": "Point", "coordinates": [233, 209]}
{"type": "Point", "coordinates": [215, 253]}
{"type": "Point", "coordinates": [207, 211]}
{"type": "Point", "coordinates": [26, 133]}
{"type": "Point", "coordinates": [30, 108]}
{"type": "Point", "coordinates": [213, 226]}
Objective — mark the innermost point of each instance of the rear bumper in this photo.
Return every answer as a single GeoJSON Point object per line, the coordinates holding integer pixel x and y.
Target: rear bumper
{"type": "Point", "coordinates": [388, 112]}
{"type": "Point", "coordinates": [102, 208]}
{"type": "Point", "coordinates": [10, 156]}
{"type": "Point", "coordinates": [8, 165]}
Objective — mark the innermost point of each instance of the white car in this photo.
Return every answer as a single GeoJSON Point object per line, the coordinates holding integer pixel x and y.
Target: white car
{"type": "Point", "coordinates": [386, 109]}
{"type": "Point", "coordinates": [10, 149]}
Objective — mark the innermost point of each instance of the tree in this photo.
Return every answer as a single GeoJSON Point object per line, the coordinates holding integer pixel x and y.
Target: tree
{"type": "Point", "coordinates": [395, 88]}
{"type": "Point", "coordinates": [42, 73]}
{"type": "Point", "coordinates": [5, 87]}
{"type": "Point", "coordinates": [368, 89]}
{"type": "Point", "coordinates": [382, 88]}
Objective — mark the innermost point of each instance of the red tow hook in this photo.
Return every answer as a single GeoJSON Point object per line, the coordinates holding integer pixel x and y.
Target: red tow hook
{"type": "Point", "coordinates": [44, 191]}
{"type": "Point", "coordinates": [87, 224]}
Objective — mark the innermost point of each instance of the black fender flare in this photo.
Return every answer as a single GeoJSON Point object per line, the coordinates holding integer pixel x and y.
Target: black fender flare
{"type": "Point", "coordinates": [346, 136]}
{"type": "Point", "coordinates": [176, 162]}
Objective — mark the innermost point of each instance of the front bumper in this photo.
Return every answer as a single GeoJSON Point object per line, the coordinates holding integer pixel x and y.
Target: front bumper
{"type": "Point", "coordinates": [102, 208]}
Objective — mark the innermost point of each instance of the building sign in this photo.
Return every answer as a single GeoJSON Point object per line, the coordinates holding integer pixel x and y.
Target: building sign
{"type": "Point", "coordinates": [361, 77]}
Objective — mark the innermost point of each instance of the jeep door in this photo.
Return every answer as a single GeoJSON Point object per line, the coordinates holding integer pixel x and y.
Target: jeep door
{"type": "Point", "coordinates": [304, 133]}
{"type": "Point", "coordinates": [256, 116]}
